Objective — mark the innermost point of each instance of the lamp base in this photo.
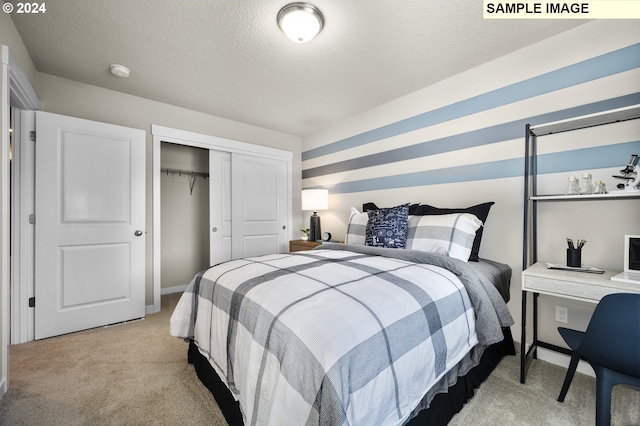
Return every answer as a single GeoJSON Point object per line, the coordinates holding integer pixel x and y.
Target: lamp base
{"type": "Point", "coordinates": [315, 234]}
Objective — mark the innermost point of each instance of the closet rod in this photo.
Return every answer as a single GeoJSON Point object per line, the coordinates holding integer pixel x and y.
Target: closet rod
{"type": "Point", "coordinates": [184, 172]}
{"type": "Point", "coordinates": [191, 175]}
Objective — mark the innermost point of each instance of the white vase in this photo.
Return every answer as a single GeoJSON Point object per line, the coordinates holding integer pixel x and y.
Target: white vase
{"type": "Point", "coordinates": [304, 237]}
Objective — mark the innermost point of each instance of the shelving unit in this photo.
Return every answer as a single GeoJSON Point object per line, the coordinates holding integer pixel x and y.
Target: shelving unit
{"type": "Point", "coordinates": [615, 195]}
{"type": "Point", "coordinates": [535, 277]}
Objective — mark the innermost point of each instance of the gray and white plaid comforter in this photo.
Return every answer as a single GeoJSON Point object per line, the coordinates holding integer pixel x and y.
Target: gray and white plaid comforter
{"type": "Point", "coordinates": [337, 336]}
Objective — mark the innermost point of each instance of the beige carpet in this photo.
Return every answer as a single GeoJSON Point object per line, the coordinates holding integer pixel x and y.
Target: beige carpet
{"type": "Point", "coordinates": [137, 374]}
{"type": "Point", "coordinates": [127, 374]}
{"type": "Point", "coordinates": [502, 399]}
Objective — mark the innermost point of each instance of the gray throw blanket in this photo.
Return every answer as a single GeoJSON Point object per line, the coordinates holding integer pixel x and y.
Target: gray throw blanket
{"type": "Point", "coordinates": [491, 309]}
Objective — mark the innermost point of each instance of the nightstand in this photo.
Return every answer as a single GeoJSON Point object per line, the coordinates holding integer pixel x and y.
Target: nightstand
{"type": "Point", "coordinates": [301, 245]}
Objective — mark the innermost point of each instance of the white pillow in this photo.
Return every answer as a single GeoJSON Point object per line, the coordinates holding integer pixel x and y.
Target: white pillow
{"type": "Point", "coordinates": [448, 234]}
{"type": "Point", "coordinates": [356, 227]}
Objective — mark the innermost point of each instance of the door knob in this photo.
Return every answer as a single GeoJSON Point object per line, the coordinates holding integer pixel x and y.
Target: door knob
{"type": "Point", "coordinates": [214, 229]}
{"type": "Point", "coordinates": [137, 233]}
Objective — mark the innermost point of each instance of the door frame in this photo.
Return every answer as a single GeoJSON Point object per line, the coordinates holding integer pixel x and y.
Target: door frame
{"type": "Point", "coordinates": [18, 92]}
{"type": "Point", "coordinates": [22, 281]}
{"type": "Point", "coordinates": [182, 137]}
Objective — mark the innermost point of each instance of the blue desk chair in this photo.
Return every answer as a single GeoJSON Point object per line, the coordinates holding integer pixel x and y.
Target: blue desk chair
{"type": "Point", "coordinates": [611, 345]}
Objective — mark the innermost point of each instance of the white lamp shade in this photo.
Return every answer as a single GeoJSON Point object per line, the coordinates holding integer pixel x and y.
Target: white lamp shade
{"type": "Point", "coordinates": [315, 199]}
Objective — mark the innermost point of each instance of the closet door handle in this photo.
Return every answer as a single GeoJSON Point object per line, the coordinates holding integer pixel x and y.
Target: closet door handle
{"type": "Point", "coordinates": [214, 229]}
{"type": "Point", "coordinates": [137, 233]}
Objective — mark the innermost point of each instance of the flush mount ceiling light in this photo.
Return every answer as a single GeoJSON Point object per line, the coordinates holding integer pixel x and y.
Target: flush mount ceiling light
{"type": "Point", "coordinates": [119, 70]}
{"type": "Point", "coordinates": [300, 21]}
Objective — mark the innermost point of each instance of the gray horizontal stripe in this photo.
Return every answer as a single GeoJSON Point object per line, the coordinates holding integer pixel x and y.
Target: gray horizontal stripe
{"type": "Point", "coordinates": [480, 137]}
{"type": "Point", "coordinates": [590, 158]}
{"type": "Point", "coordinates": [591, 69]}
{"type": "Point", "coordinates": [442, 233]}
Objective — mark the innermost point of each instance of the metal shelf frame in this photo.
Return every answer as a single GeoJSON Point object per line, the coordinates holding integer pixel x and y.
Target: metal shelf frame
{"type": "Point", "coordinates": [532, 198]}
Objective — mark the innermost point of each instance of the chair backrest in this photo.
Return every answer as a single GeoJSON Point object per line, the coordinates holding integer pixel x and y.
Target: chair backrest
{"type": "Point", "coordinates": [612, 339]}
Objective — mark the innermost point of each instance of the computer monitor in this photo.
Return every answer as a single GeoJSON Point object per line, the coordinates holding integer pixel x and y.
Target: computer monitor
{"type": "Point", "coordinates": [632, 253]}
{"type": "Point", "coordinates": [631, 272]}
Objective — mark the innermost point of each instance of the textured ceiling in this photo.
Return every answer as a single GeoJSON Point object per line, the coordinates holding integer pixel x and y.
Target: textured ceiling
{"type": "Point", "coordinates": [228, 57]}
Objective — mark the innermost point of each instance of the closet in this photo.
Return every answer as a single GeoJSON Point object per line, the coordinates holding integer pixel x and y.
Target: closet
{"type": "Point", "coordinates": [184, 212]}
{"type": "Point", "coordinates": [214, 200]}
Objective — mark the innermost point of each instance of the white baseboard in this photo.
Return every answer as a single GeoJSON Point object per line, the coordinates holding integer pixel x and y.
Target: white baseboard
{"type": "Point", "coordinates": [167, 290]}
{"type": "Point", "coordinates": [561, 360]}
{"type": "Point", "coordinates": [176, 289]}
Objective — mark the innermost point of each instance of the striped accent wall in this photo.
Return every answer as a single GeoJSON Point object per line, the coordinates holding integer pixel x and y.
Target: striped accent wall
{"type": "Point", "coordinates": [460, 142]}
{"type": "Point", "coordinates": [396, 164]}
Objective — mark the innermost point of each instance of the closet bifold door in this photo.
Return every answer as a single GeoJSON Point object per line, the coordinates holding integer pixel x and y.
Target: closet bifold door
{"type": "Point", "coordinates": [259, 205]}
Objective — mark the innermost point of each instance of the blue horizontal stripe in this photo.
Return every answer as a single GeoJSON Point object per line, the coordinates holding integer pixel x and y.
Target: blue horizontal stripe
{"type": "Point", "coordinates": [601, 66]}
{"type": "Point", "coordinates": [599, 157]}
{"type": "Point", "coordinates": [568, 161]}
{"type": "Point", "coordinates": [488, 135]}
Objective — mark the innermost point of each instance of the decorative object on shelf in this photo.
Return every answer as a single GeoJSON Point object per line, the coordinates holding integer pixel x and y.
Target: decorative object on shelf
{"type": "Point", "coordinates": [574, 254]}
{"type": "Point", "coordinates": [631, 175]}
{"type": "Point", "coordinates": [326, 236]}
{"type": "Point", "coordinates": [315, 199]}
{"type": "Point", "coordinates": [573, 188]}
{"type": "Point", "coordinates": [587, 187]}
{"type": "Point", "coordinates": [300, 21]}
{"type": "Point", "coordinates": [305, 232]}
{"type": "Point", "coordinates": [600, 188]}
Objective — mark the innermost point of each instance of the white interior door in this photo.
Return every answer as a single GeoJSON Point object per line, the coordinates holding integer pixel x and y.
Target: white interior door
{"type": "Point", "coordinates": [259, 204]}
{"type": "Point", "coordinates": [219, 206]}
{"type": "Point", "coordinates": [90, 218]}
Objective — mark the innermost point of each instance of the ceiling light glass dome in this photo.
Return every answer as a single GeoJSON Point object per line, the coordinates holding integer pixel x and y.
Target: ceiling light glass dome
{"type": "Point", "coordinates": [300, 21]}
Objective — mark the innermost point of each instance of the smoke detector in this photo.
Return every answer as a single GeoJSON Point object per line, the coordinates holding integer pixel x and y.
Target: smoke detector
{"type": "Point", "coordinates": [119, 70]}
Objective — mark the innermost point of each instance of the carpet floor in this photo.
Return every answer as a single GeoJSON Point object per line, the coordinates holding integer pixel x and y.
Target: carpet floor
{"type": "Point", "coordinates": [137, 374]}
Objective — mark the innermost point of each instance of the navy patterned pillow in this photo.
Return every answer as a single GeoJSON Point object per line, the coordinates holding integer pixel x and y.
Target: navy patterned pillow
{"type": "Point", "coordinates": [387, 227]}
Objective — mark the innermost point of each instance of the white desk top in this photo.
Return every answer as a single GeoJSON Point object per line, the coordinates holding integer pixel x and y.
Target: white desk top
{"type": "Point", "coordinates": [584, 286]}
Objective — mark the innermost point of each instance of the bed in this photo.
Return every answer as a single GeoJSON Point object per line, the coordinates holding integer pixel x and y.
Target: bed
{"type": "Point", "coordinates": [348, 333]}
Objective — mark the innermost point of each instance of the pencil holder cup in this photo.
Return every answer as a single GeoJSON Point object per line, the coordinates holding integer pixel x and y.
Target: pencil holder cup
{"type": "Point", "coordinates": [574, 258]}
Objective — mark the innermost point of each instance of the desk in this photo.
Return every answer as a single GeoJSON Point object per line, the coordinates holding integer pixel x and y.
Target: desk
{"type": "Point", "coordinates": [581, 286]}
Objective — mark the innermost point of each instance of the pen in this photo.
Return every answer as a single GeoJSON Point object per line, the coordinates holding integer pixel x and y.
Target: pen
{"type": "Point", "coordinates": [581, 243]}
{"type": "Point", "coordinates": [570, 244]}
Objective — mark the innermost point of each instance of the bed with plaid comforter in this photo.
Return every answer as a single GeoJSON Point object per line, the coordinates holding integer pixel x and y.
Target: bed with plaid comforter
{"type": "Point", "coordinates": [342, 335]}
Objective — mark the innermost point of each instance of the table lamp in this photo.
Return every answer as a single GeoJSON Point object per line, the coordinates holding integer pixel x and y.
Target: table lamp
{"type": "Point", "coordinates": [315, 199]}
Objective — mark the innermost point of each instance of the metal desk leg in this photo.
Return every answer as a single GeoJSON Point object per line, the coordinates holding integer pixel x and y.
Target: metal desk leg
{"type": "Point", "coordinates": [535, 325]}
{"type": "Point", "coordinates": [523, 339]}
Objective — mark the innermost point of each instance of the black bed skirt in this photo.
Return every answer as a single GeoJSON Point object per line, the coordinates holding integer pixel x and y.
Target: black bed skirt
{"type": "Point", "coordinates": [443, 406]}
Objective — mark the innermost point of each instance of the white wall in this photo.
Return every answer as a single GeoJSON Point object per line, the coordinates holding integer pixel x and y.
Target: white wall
{"type": "Point", "coordinates": [461, 142]}
{"type": "Point", "coordinates": [75, 99]}
{"type": "Point", "coordinates": [184, 216]}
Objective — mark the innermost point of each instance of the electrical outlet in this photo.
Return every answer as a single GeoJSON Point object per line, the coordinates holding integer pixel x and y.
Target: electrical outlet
{"type": "Point", "coordinates": [562, 314]}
